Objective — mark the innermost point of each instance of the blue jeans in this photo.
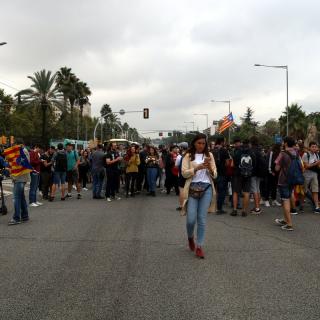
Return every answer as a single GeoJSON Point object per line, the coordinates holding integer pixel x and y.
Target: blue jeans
{"type": "Point", "coordinates": [97, 182]}
{"type": "Point", "coordinates": [222, 188]}
{"type": "Point", "coordinates": [34, 184]}
{"type": "Point", "coordinates": [19, 201]}
{"type": "Point", "coordinates": [197, 211]}
{"type": "Point", "coordinates": [152, 175]}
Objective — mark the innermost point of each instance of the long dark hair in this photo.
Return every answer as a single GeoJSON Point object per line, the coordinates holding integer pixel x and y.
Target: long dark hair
{"type": "Point", "coordinates": [276, 148]}
{"type": "Point", "coordinates": [129, 153]}
{"type": "Point", "coordinates": [155, 151]}
{"type": "Point", "coordinates": [192, 149]}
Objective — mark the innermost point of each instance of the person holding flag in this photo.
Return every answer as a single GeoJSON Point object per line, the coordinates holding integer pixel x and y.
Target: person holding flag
{"type": "Point", "coordinates": [20, 168]}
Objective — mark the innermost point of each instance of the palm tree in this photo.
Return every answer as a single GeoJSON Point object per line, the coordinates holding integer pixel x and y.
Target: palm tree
{"type": "Point", "coordinates": [125, 128]}
{"type": "Point", "coordinates": [44, 94]}
{"type": "Point", "coordinates": [6, 104]}
{"type": "Point", "coordinates": [63, 81]}
{"type": "Point", "coordinates": [297, 122]}
{"type": "Point", "coordinates": [83, 91]}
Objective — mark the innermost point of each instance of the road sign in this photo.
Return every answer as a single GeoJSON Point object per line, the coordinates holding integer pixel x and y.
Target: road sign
{"type": "Point", "coordinates": [277, 138]}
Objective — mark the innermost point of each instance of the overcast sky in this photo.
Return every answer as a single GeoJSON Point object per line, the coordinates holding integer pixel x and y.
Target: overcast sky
{"type": "Point", "coordinates": [172, 56]}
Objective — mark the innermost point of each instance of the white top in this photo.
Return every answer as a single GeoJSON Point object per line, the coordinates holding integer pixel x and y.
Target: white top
{"type": "Point", "coordinates": [313, 157]}
{"type": "Point", "coordinates": [178, 160]}
{"type": "Point", "coordinates": [201, 175]}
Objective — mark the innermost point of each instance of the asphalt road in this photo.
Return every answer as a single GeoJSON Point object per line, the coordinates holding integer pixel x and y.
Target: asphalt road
{"type": "Point", "coordinates": [128, 259]}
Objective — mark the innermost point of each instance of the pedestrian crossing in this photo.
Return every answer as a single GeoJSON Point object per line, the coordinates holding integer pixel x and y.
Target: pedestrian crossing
{"type": "Point", "coordinates": [8, 187]}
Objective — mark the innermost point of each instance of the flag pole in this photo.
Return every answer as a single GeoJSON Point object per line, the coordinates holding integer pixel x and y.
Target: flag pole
{"type": "Point", "coordinates": [229, 129]}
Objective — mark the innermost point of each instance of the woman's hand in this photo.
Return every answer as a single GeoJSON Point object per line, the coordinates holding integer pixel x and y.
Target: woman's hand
{"type": "Point", "coordinates": [202, 166]}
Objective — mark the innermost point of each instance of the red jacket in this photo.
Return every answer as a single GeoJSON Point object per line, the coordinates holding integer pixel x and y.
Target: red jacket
{"type": "Point", "coordinates": [174, 169]}
{"type": "Point", "coordinates": [35, 161]}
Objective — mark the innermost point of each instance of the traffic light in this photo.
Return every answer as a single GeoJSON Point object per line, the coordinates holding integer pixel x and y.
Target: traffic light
{"type": "Point", "coordinates": [160, 134]}
{"type": "Point", "coordinates": [146, 113]}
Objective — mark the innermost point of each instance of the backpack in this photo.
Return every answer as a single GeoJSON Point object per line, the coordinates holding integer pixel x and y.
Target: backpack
{"type": "Point", "coordinates": [60, 163]}
{"type": "Point", "coordinates": [295, 172]}
{"type": "Point", "coordinates": [246, 165]}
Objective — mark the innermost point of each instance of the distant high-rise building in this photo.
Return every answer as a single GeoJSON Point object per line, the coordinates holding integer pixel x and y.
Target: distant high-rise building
{"type": "Point", "coordinates": [87, 109]}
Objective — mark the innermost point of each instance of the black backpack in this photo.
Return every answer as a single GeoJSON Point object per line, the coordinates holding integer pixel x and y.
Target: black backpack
{"type": "Point", "coordinates": [60, 163]}
{"type": "Point", "coordinates": [246, 165]}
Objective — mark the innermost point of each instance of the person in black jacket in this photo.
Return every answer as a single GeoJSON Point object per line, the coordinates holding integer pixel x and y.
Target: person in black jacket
{"type": "Point", "coordinates": [142, 182]}
{"type": "Point", "coordinates": [244, 164]}
{"type": "Point", "coordinates": [259, 171]}
{"type": "Point", "coordinates": [221, 154]}
{"type": "Point", "coordinates": [272, 180]}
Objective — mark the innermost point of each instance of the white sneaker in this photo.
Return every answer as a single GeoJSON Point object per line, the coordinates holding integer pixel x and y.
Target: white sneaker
{"type": "Point", "coordinates": [276, 203]}
{"type": "Point", "coordinates": [74, 187]}
{"type": "Point", "coordinates": [84, 189]}
{"type": "Point", "coordinates": [267, 203]}
{"type": "Point", "coordinates": [33, 205]}
{"type": "Point", "coordinates": [109, 199]}
{"type": "Point", "coordinates": [118, 198]}
{"type": "Point", "coordinates": [39, 203]}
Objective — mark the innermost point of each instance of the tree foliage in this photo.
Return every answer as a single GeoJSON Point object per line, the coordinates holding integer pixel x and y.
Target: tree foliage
{"type": "Point", "coordinates": [298, 122]}
{"type": "Point", "coordinates": [44, 95]}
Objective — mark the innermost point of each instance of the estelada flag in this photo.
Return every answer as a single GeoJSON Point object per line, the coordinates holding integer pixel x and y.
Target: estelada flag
{"type": "Point", "coordinates": [18, 161]}
{"type": "Point", "coordinates": [227, 122]}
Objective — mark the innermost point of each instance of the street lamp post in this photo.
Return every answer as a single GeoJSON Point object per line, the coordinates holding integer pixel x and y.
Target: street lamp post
{"type": "Point", "coordinates": [229, 102]}
{"type": "Point", "coordinates": [203, 114]}
{"type": "Point", "coordinates": [287, 84]}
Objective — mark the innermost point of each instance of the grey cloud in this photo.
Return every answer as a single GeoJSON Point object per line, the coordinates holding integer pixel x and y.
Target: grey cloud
{"type": "Point", "coordinates": [174, 56]}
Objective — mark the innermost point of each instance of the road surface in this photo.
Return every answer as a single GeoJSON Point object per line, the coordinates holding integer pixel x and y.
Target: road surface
{"type": "Point", "coordinates": [128, 259]}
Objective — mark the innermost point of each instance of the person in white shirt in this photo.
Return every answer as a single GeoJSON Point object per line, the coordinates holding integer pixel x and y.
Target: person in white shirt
{"type": "Point", "coordinates": [198, 167]}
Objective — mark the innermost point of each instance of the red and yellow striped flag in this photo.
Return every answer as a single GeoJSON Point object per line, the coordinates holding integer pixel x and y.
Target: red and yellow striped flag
{"type": "Point", "coordinates": [17, 161]}
{"type": "Point", "coordinates": [227, 122]}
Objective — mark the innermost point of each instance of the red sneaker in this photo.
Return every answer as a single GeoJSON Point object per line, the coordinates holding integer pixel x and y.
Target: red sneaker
{"type": "Point", "coordinates": [192, 245]}
{"type": "Point", "coordinates": [199, 253]}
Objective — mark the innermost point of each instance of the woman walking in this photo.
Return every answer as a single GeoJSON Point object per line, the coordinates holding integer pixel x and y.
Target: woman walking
{"type": "Point", "coordinates": [133, 160]}
{"type": "Point", "coordinates": [199, 168]}
{"type": "Point", "coordinates": [152, 165]}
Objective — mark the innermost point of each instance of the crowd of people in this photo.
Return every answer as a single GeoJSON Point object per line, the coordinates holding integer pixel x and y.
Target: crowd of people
{"type": "Point", "coordinates": [206, 177]}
